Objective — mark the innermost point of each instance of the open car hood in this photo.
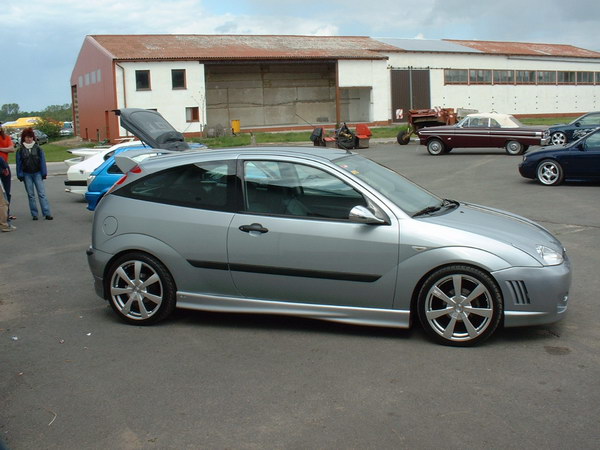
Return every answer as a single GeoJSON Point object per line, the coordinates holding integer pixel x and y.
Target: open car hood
{"type": "Point", "coordinates": [151, 128]}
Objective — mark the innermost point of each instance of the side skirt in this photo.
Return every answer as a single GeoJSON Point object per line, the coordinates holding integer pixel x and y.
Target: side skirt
{"type": "Point", "coordinates": [344, 314]}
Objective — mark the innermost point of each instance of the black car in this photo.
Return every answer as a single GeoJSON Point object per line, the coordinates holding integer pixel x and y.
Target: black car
{"type": "Point", "coordinates": [562, 134]}
{"type": "Point", "coordinates": [579, 160]}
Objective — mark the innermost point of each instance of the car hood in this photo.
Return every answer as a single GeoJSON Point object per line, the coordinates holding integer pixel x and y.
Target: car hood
{"type": "Point", "coordinates": [499, 225]}
{"type": "Point", "coordinates": [152, 128]}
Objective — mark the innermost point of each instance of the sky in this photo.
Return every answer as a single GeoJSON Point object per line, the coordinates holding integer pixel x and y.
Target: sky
{"type": "Point", "coordinates": [41, 39]}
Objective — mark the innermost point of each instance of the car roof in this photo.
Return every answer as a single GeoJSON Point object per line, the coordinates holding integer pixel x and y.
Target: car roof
{"type": "Point", "coordinates": [315, 153]}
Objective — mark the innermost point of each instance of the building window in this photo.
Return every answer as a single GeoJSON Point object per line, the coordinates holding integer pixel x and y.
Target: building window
{"type": "Point", "coordinates": [192, 114]}
{"type": "Point", "coordinates": [178, 78]}
{"type": "Point", "coordinates": [585, 77]}
{"type": "Point", "coordinates": [597, 77]}
{"type": "Point", "coordinates": [504, 76]}
{"type": "Point", "coordinates": [455, 76]}
{"type": "Point", "coordinates": [526, 76]}
{"type": "Point", "coordinates": [565, 77]}
{"type": "Point", "coordinates": [142, 80]}
{"type": "Point", "coordinates": [546, 77]}
{"type": "Point", "coordinates": [478, 76]}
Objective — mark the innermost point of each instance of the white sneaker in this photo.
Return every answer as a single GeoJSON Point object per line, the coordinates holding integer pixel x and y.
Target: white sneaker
{"type": "Point", "coordinates": [9, 228]}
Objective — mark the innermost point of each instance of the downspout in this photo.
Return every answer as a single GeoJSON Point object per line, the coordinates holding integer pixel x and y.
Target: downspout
{"type": "Point", "coordinates": [124, 86]}
{"type": "Point", "coordinates": [338, 113]}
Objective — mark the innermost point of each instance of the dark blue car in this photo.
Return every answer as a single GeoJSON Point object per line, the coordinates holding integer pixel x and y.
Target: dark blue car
{"type": "Point", "coordinates": [577, 161]}
{"type": "Point", "coordinates": [563, 134]}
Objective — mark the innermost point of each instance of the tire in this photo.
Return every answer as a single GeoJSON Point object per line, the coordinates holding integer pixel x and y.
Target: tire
{"type": "Point", "coordinates": [514, 148]}
{"type": "Point", "coordinates": [403, 138]}
{"type": "Point", "coordinates": [140, 289]}
{"type": "Point", "coordinates": [550, 172]}
{"type": "Point", "coordinates": [462, 320]}
{"type": "Point", "coordinates": [558, 138]}
{"type": "Point", "coordinates": [435, 147]}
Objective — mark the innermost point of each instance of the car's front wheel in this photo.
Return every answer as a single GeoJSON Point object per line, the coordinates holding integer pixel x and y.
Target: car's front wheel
{"type": "Point", "coordinates": [141, 290]}
{"type": "Point", "coordinates": [435, 147]}
{"type": "Point", "coordinates": [549, 172]}
{"type": "Point", "coordinates": [558, 138]}
{"type": "Point", "coordinates": [514, 148]}
{"type": "Point", "coordinates": [460, 305]}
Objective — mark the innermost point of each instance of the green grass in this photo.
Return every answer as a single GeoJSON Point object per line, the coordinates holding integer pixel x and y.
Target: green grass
{"type": "Point", "coordinates": [57, 151]}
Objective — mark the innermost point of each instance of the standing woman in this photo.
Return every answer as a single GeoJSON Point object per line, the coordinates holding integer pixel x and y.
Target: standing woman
{"type": "Point", "coordinates": [31, 168]}
{"type": "Point", "coordinates": [6, 147]}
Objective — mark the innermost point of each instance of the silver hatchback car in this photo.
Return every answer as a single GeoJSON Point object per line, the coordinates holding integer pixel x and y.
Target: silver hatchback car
{"type": "Point", "coordinates": [318, 233]}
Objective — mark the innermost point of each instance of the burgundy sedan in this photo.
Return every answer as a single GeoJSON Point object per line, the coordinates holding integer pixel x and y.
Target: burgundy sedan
{"type": "Point", "coordinates": [484, 130]}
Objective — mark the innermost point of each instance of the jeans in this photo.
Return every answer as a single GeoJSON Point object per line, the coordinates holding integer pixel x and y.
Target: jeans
{"type": "Point", "coordinates": [34, 182]}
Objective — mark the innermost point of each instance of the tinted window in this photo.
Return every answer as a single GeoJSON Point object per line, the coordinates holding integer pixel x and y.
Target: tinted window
{"type": "Point", "coordinates": [209, 185]}
{"type": "Point", "coordinates": [274, 187]}
{"type": "Point", "coordinates": [590, 120]}
{"type": "Point", "coordinates": [593, 142]}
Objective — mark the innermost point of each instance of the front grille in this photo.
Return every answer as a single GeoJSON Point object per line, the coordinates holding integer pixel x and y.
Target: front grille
{"type": "Point", "coordinates": [519, 292]}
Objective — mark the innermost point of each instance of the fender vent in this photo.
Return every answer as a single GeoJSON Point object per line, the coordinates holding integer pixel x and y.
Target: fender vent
{"type": "Point", "coordinates": [519, 292]}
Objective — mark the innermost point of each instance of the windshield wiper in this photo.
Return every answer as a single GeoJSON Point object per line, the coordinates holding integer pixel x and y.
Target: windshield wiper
{"type": "Point", "coordinates": [431, 209]}
{"type": "Point", "coordinates": [428, 210]}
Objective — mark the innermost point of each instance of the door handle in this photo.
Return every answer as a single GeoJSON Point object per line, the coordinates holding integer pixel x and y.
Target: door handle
{"type": "Point", "coordinates": [254, 227]}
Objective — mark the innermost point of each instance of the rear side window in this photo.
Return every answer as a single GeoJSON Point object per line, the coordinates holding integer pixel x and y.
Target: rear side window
{"type": "Point", "coordinates": [206, 185]}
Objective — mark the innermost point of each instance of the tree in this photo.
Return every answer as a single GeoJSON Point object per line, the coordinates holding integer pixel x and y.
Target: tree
{"type": "Point", "coordinates": [9, 111]}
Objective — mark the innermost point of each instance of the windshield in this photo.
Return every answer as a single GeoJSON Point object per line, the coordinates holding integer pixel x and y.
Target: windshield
{"type": "Point", "coordinates": [404, 193]}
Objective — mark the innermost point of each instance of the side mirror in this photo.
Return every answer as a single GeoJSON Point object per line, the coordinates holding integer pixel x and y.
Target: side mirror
{"type": "Point", "coordinates": [577, 124]}
{"type": "Point", "coordinates": [362, 214]}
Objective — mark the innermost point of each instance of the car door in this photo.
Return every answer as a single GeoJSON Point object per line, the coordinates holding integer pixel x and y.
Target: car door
{"type": "Point", "coordinates": [586, 163]}
{"type": "Point", "coordinates": [474, 132]}
{"type": "Point", "coordinates": [295, 243]}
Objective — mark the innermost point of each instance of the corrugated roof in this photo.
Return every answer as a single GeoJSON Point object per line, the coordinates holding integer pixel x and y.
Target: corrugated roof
{"type": "Point", "coordinates": [527, 49]}
{"type": "Point", "coordinates": [206, 47]}
{"type": "Point", "coordinates": [427, 45]}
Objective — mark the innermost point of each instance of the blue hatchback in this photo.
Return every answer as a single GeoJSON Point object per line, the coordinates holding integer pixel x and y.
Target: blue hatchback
{"type": "Point", "coordinates": [108, 173]}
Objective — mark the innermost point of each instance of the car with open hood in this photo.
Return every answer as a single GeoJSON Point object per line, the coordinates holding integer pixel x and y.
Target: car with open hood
{"type": "Point", "coordinates": [152, 130]}
{"type": "Point", "coordinates": [564, 133]}
{"type": "Point", "coordinates": [483, 130]}
{"type": "Point", "coordinates": [318, 233]}
{"type": "Point", "coordinates": [576, 161]}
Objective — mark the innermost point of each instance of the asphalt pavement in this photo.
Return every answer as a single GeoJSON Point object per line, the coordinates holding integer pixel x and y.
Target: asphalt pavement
{"type": "Point", "coordinates": [73, 376]}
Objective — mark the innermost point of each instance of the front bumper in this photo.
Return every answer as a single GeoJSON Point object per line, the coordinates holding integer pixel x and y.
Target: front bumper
{"type": "Point", "coordinates": [535, 295]}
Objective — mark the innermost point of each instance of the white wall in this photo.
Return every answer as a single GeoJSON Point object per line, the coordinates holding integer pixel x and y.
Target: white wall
{"type": "Point", "coordinates": [511, 99]}
{"type": "Point", "coordinates": [373, 74]}
{"type": "Point", "coordinates": [171, 103]}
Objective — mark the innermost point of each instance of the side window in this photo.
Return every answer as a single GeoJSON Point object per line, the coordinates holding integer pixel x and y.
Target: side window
{"type": "Point", "coordinates": [592, 120]}
{"type": "Point", "coordinates": [282, 188]}
{"type": "Point", "coordinates": [114, 169]}
{"type": "Point", "coordinates": [593, 142]}
{"type": "Point", "coordinates": [205, 185]}
{"type": "Point", "coordinates": [494, 123]}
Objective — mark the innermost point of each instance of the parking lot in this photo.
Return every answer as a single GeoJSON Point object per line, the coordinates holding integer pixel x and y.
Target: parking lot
{"type": "Point", "coordinates": [73, 376]}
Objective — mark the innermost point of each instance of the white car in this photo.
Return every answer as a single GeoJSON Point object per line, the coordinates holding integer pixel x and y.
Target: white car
{"type": "Point", "coordinates": [89, 160]}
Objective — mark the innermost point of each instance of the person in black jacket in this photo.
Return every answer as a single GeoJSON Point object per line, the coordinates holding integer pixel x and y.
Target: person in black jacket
{"type": "Point", "coordinates": [31, 168]}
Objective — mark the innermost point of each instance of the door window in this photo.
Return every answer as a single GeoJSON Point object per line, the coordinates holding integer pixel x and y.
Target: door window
{"type": "Point", "coordinates": [205, 185]}
{"type": "Point", "coordinates": [282, 188]}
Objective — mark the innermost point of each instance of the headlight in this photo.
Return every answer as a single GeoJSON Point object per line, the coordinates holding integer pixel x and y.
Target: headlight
{"type": "Point", "coordinates": [550, 257]}
{"type": "Point", "coordinates": [90, 179]}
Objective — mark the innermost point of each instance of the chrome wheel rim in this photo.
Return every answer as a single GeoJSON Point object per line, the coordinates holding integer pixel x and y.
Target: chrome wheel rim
{"type": "Point", "coordinates": [559, 139]}
{"type": "Point", "coordinates": [459, 307]}
{"type": "Point", "coordinates": [136, 290]}
{"type": "Point", "coordinates": [435, 147]}
{"type": "Point", "coordinates": [513, 148]}
{"type": "Point", "coordinates": [548, 173]}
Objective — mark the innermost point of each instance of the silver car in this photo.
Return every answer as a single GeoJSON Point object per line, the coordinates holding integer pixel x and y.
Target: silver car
{"type": "Point", "coordinates": [318, 233]}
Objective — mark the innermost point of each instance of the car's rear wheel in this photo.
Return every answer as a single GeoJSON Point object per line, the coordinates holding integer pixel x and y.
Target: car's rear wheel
{"type": "Point", "coordinates": [558, 138]}
{"type": "Point", "coordinates": [514, 148]}
{"type": "Point", "coordinates": [550, 172]}
{"type": "Point", "coordinates": [460, 305]}
{"type": "Point", "coordinates": [141, 290]}
{"type": "Point", "coordinates": [435, 147]}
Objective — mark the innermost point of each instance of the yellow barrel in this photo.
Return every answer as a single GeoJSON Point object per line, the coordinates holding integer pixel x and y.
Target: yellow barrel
{"type": "Point", "coordinates": [235, 126]}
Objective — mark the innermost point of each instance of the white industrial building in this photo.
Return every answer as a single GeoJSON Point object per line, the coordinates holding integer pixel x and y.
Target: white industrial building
{"type": "Point", "coordinates": [291, 82]}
